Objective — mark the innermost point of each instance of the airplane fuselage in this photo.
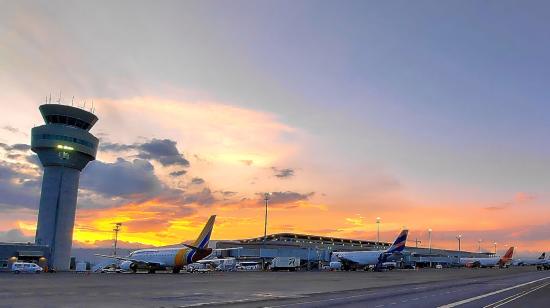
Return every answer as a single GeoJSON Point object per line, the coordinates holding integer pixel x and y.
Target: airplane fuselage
{"type": "Point", "coordinates": [167, 257]}
{"type": "Point", "coordinates": [362, 258]}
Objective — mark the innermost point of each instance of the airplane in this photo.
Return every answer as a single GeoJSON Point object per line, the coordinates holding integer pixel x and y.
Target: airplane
{"type": "Point", "coordinates": [538, 261]}
{"type": "Point", "coordinates": [163, 258]}
{"type": "Point", "coordinates": [377, 258]}
{"type": "Point", "coordinates": [489, 262]}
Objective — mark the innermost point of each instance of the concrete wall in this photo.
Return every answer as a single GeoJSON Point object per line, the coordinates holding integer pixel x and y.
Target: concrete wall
{"type": "Point", "coordinates": [57, 213]}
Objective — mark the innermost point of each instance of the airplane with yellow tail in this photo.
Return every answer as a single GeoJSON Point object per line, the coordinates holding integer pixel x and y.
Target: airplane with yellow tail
{"type": "Point", "coordinates": [166, 258]}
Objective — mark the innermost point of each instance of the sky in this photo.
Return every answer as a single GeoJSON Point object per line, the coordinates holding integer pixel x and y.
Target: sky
{"type": "Point", "coordinates": [427, 114]}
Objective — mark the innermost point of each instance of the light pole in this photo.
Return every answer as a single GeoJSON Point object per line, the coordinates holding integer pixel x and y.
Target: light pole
{"type": "Point", "coordinates": [266, 198]}
{"type": "Point", "coordinates": [459, 237]}
{"type": "Point", "coordinates": [430, 245]}
{"type": "Point", "coordinates": [479, 245]}
{"type": "Point", "coordinates": [430, 240]}
{"type": "Point", "coordinates": [417, 241]}
{"type": "Point", "coordinates": [116, 230]}
{"type": "Point", "coordinates": [378, 231]}
{"type": "Point", "coordinates": [495, 243]}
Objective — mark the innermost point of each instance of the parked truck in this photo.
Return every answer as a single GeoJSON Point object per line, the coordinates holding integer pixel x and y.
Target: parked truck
{"type": "Point", "coordinates": [285, 264]}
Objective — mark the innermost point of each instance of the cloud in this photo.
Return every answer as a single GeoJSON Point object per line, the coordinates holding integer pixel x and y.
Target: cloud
{"type": "Point", "coordinates": [203, 197]}
{"type": "Point", "coordinates": [519, 198]}
{"type": "Point", "coordinates": [522, 197]}
{"type": "Point", "coordinates": [18, 187]}
{"type": "Point", "coordinates": [121, 178]}
{"type": "Point", "coordinates": [283, 173]}
{"type": "Point", "coordinates": [285, 197]}
{"type": "Point", "coordinates": [146, 225]}
{"type": "Point", "coordinates": [178, 173]}
{"type": "Point", "coordinates": [15, 235]}
{"type": "Point", "coordinates": [18, 147]}
{"type": "Point", "coordinates": [13, 130]}
{"type": "Point", "coordinates": [197, 181]}
{"type": "Point", "coordinates": [162, 150]}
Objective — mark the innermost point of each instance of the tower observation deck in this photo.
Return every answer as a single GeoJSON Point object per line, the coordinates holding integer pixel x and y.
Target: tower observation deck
{"type": "Point", "coordinates": [64, 146]}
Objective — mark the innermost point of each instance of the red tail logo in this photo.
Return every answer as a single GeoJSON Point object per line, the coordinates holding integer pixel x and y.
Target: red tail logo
{"type": "Point", "coordinates": [508, 255]}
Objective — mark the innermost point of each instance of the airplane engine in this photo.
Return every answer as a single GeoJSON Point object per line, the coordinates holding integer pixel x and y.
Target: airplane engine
{"type": "Point", "coordinates": [128, 266]}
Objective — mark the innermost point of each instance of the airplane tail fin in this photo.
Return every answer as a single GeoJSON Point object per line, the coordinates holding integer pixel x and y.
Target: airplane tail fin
{"type": "Point", "coordinates": [399, 243]}
{"type": "Point", "coordinates": [508, 255]}
{"type": "Point", "coordinates": [204, 237]}
{"type": "Point", "coordinates": [542, 256]}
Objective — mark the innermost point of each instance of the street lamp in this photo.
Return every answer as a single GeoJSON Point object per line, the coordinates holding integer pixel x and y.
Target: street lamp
{"type": "Point", "coordinates": [430, 245]}
{"type": "Point", "coordinates": [495, 243]}
{"type": "Point", "coordinates": [479, 245]}
{"type": "Point", "coordinates": [266, 198]}
{"type": "Point", "coordinates": [459, 237]}
{"type": "Point", "coordinates": [378, 232]}
{"type": "Point", "coordinates": [116, 230]}
{"type": "Point", "coordinates": [430, 240]}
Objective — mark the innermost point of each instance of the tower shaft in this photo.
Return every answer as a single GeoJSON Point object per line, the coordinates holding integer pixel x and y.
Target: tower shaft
{"type": "Point", "coordinates": [57, 213]}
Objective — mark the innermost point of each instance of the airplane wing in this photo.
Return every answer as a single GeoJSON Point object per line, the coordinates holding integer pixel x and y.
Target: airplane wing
{"type": "Point", "coordinates": [129, 259]}
{"type": "Point", "coordinates": [116, 257]}
{"type": "Point", "coordinates": [223, 249]}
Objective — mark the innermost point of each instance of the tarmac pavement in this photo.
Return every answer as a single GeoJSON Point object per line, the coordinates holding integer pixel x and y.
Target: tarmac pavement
{"type": "Point", "coordinates": [513, 287]}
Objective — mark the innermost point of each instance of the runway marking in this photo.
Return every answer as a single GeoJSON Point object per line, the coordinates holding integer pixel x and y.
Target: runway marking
{"type": "Point", "coordinates": [514, 297]}
{"type": "Point", "coordinates": [322, 300]}
{"type": "Point", "coordinates": [471, 299]}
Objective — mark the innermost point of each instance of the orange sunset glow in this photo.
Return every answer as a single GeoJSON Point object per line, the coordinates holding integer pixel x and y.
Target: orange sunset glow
{"type": "Point", "coordinates": [200, 121]}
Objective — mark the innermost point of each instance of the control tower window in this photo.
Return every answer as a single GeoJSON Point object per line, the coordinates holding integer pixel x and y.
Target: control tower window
{"type": "Point", "coordinates": [61, 119]}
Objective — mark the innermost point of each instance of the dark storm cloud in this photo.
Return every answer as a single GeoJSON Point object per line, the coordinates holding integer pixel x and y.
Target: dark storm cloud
{"type": "Point", "coordinates": [197, 181]}
{"type": "Point", "coordinates": [178, 173]}
{"type": "Point", "coordinates": [121, 178]}
{"type": "Point", "coordinates": [17, 190]}
{"type": "Point", "coordinates": [162, 150]}
{"type": "Point", "coordinates": [283, 173]}
{"type": "Point", "coordinates": [285, 197]}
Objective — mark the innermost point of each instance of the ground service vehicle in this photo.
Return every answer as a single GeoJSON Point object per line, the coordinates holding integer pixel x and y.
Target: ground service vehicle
{"type": "Point", "coordinates": [284, 263]}
{"type": "Point", "coordinates": [24, 267]}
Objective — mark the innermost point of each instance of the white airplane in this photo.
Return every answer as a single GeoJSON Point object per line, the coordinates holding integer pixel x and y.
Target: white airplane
{"type": "Point", "coordinates": [174, 258]}
{"type": "Point", "coordinates": [540, 260]}
{"type": "Point", "coordinates": [377, 258]}
{"type": "Point", "coordinates": [489, 262]}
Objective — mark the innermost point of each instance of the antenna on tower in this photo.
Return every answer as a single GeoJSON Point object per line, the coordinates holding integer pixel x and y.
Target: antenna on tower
{"type": "Point", "coordinates": [59, 98]}
{"type": "Point", "coordinates": [72, 102]}
{"type": "Point", "coordinates": [84, 104]}
{"type": "Point", "coordinates": [50, 101]}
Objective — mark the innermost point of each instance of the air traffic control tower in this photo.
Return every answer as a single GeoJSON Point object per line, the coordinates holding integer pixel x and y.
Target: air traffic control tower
{"type": "Point", "coordinates": [64, 147]}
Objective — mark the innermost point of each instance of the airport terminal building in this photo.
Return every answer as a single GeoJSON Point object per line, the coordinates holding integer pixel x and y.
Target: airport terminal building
{"type": "Point", "coordinates": [316, 250]}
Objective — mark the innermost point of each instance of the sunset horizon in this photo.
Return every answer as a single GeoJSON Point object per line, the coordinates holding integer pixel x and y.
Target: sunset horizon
{"type": "Point", "coordinates": [341, 117]}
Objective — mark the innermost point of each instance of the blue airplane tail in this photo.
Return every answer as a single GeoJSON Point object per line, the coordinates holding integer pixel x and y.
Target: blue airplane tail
{"type": "Point", "coordinates": [399, 243]}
